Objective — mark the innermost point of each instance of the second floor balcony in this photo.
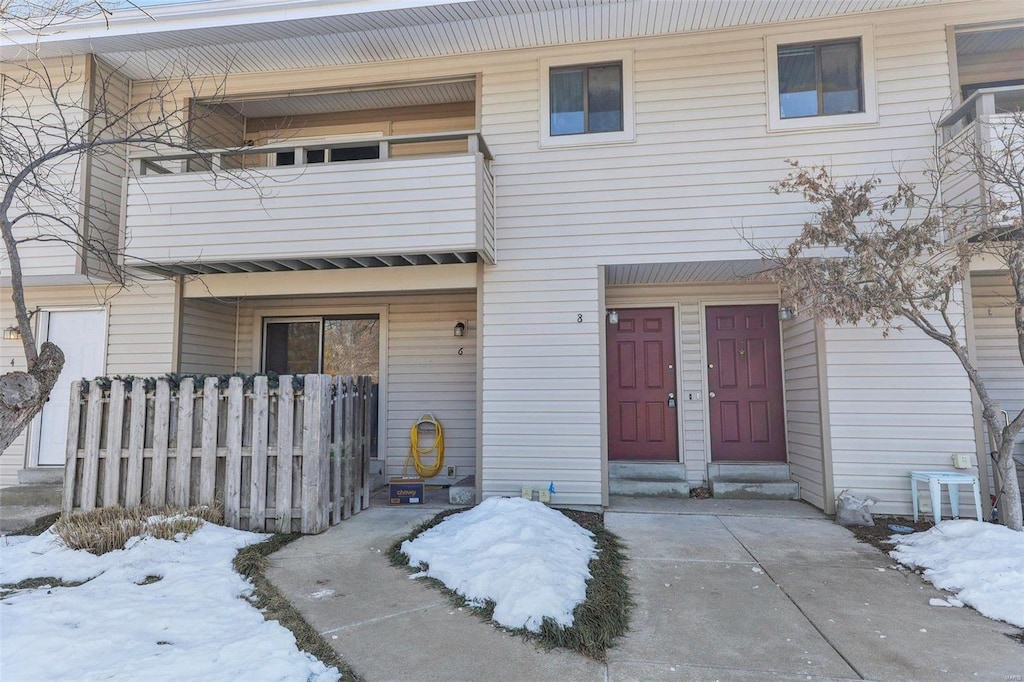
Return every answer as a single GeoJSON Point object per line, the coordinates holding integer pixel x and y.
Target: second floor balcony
{"type": "Point", "coordinates": [335, 203]}
{"type": "Point", "coordinates": [981, 157]}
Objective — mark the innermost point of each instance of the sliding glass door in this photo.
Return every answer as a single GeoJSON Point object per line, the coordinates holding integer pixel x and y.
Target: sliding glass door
{"type": "Point", "coordinates": [340, 344]}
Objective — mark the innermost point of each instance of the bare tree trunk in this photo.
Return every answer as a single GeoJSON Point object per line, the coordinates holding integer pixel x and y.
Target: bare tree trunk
{"type": "Point", "coordinates": [23, 394]}
{"type": "Point", "coordinates": [1010, 512]}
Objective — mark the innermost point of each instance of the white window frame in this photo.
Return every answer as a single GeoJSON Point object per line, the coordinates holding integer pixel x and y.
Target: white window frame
{"type": "Point", "coordinates": [626, 135]}
{"type": "Point", "coordinates": [867, 49]}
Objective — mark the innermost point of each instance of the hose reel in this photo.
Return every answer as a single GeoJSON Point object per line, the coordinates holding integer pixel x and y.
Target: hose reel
{"type": "Point", "coordinates": [416, 452]}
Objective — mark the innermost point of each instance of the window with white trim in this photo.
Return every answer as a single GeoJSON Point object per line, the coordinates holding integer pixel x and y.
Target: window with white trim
{"type": "Point", "coordinates": [821, 80]}
{"type": "Point", "coordinates": [586, 102]}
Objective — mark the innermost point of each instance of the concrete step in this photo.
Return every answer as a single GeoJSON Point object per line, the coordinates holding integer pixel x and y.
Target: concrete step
{"type": "Point", "coordinates": [15, 518]}
{"type": "Point", "coordinates": [35, 495]}
{"type": "Point", "coordinates": [755, 490]}
{"type": "Point", "coordinates": [35, 475]}
{"type": "Point", "coordinates": [632, 486]}
{"type": "Point", "coordinates": [463, 492]}
{"type": "Point", "coordinates": [662, 479]}
{"type": "Point", "coordinates": [754, 473]}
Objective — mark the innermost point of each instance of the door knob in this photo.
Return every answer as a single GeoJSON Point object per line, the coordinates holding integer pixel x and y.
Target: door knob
{"type": "Point", "coordinates": [711, 394]}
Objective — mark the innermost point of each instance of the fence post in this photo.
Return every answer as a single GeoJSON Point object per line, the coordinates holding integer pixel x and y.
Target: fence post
{"type": "Point", "coordinates": [285, 446]}
{"type": "Point", "coordinates": [136, 442]}
{"type": "Point", "coordinates": [348, 448]}
{"type": "Point", "coordinates": [183, 454]}
{"type": "Point", "coordinates": [90, 468]}
{"type": "Point", "coordinates": [208, 456]}
{"type": "Point", "coordinates": [337, 451]}
{"type": "Point", "coordinates": [161, 428]}
{"type": "Point", "coordinates": [258, 470]}
{"type": "Point", "coordinates": [233, 468]}
{"type": "Point", "coordinates": [364, 468]}
{"type": "Point", "coordinates": [115, 425]}
{"type": "Point", "coordinates": [71, 452]}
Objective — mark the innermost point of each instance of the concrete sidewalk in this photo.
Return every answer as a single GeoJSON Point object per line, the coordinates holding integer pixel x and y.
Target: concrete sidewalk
{"type": "Point", "coordinates": [725, 590]}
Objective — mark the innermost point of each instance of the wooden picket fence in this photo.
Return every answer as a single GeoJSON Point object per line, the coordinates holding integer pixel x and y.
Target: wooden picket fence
{"type": "Point", "coordinates": [277, 459]}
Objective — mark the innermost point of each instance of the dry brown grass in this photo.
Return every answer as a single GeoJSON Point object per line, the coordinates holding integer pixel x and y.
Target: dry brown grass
{"type": "Point", "coordinates": [107, 529]}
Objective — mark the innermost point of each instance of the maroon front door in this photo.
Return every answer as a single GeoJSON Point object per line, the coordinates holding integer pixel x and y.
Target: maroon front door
{"type": "Point", "coordinates": [642, 386]}
{"type": "Point", "coordinates": [745, 383]}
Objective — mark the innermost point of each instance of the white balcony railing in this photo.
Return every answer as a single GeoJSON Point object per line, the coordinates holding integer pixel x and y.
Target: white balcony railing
{"type": "Point", "coordinates": [981, 139]}
{"type": "Point", "coordinates": [232, 210]}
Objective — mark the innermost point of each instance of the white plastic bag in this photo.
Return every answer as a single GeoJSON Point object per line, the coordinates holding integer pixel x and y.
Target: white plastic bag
{"type": "Point", "coordinates": [853, 511]}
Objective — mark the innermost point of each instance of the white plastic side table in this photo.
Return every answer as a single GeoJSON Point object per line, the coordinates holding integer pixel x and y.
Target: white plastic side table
{"type": "Point", "coordinates": [953, 481]}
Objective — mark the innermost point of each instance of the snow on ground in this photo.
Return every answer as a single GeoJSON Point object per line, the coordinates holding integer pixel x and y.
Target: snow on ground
{"type": "Point", "coordinates": [981, 562]}
{"type": "Point", "coordinates": [192, 624]}
{"type": "Point", "coordinates": [532, 561]}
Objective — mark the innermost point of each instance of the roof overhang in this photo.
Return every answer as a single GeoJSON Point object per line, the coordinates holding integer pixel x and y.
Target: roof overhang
{"type": "Point", "coordinates": [233, 36]}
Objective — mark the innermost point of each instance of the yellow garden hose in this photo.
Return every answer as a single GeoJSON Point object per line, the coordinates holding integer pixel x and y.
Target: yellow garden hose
{"type": "Point", "coordinates": [416, 452]}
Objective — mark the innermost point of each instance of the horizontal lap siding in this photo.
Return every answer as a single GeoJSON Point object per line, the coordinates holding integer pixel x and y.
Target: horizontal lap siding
{"type": "Point", "coordinates": [803, 409]}
{"type": "Point", "coordinates": [362, 208]}
{"type": "Point", "coordinates": [140, 338]}
{"type": "Point", "coordinates": [996, 349]}
{"type": "Point", "coordinates": [896, 405]}
{"type": "Point", "coordinates": [694, 186]}
{"type": "Point", "coordinates": [542, 382]}
{"type": "Point", "coordinates": [425, 373]}
{"type": "Point", "coordinates": [207, 337]}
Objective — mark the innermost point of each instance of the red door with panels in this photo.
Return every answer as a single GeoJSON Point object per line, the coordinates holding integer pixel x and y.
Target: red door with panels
{"type": "Point", "coordinates": [745, 384]}
{"type": "Point", "coordinates": [642, 413]}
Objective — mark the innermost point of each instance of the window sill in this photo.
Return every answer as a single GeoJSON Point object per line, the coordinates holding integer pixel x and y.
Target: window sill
{"type": "Point", "coordinates": [816, 123]}
{"type": "Point", "coordinates": [587, 139]}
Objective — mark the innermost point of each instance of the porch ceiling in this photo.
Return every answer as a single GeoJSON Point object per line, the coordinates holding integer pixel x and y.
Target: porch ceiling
{"type": "Point", "coordinates": [234, 36]}
{"type": "Point", "coordinates": [680, 273]}
{"type": "Point", "coordinates": [304, 264]}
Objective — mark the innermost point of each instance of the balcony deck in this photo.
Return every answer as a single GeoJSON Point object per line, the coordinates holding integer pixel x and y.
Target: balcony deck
{"type": "Point", "coordinates": [981, 154]}
{"type": "Point", "coordinates": [408, 210]}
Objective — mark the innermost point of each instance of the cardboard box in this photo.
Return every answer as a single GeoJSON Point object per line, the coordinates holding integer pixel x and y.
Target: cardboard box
{"type": "Point", "coordinates": [405, 491]}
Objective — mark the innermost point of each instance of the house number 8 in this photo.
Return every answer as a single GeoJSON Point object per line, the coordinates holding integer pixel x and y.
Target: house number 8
{"type": "Point", "coordinates": [579, 317]}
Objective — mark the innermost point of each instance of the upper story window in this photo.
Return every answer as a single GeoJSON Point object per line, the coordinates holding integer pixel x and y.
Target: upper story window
{"type": "Point", "coordinates": [586, 102]}
{"type": "Point", "coordinates": [586, 99]}
{"type": "Point", "coordinates": [821, 79]}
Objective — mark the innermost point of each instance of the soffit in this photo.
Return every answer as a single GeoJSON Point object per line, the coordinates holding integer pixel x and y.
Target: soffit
{"type": "Point", "coordinates": [219, 38]}
{"type": "Point", "coordinates": [680, 273]}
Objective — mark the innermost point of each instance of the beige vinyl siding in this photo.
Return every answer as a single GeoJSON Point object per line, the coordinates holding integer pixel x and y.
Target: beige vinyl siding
{"type": "Point", "coordinates": [140, 337]}
{"type": "Point", "coordinates": [804, 438]}
{"type": "Point", "coordinates": [424, 372]}
{"type": "Point", "coordinates": [207, 337]}
{"type": "Point", "coordinates": [106, 166]}
{"type": "Point", "coordinates": [31, 101]}
{"type": "Point", "coordinates": [896, 405]}
{"type": "Point", "coordinates": [996, 349]}
{"type": "Point", "coordinates": [687, 300]}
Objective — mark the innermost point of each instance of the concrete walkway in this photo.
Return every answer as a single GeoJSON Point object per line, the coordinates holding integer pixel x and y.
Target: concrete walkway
{"type": "Point", "coordinates": [725, 590]}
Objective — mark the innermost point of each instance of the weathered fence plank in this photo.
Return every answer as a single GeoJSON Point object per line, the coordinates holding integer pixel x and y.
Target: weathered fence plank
{"type": "Point", "coordinates": [208, 454]}
{"type": "Point", "coordinates": [136, 443]}
{"type": "Point", "coordinates": [71, 453]}
{"type": "Point", "coordinates": [114, 429]}
{"type": "Point", "coordinates": [90, 471]}
{"type": "Point", "coordinates": [161, 426]}
{"type": "Point", "coordinates": [285, 453]}
{"type": "Point", "coordinates": [233, 479]}
{"type": "Point", "coordinates": [365, 387]}
{"type": "Point", "coordinates": [347, 448]}
{"type": "Point", "coordinates": [258, 477]}
{"type": "Point", "coordinates": [183, 451]}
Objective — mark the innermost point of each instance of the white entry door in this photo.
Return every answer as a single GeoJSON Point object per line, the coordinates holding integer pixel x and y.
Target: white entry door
{"type": "Point", "coordinates": [81, 334]}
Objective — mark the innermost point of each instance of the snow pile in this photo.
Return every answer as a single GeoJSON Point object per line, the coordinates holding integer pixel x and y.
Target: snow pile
{"type": "Point", "coordinates": [982, 563]}
{"type": "Point", "coordinates": [124, 624]}
{"type": "Point", "coordinates": [530, 560]}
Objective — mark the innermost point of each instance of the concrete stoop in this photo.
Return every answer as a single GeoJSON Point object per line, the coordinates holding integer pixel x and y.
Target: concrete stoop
{"type": "Point", "coordinates": [752, 482]}
{"type": "Point", "coordinates": [656, 479]}
{"type": "Point", "coordinates": [34, 495]}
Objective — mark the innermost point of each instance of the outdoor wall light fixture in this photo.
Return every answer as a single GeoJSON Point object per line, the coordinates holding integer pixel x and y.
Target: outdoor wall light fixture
{"type": "Point", "coordinates": [460, 328]}
{"type": "Point", "coordinates": [786, 313]}
{"type": "Point", "coordinates": [613, 317]}
{"type": "Point", "coordinates": [12, 334]}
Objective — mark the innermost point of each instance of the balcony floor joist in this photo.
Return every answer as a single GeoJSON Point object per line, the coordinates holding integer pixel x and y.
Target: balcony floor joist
{"type": "Point", "coordinates": [305, 264]}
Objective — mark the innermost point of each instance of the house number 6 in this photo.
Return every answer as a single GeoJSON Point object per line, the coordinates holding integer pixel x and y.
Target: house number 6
{"type": "Point", "coordinates": [460, 352]}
